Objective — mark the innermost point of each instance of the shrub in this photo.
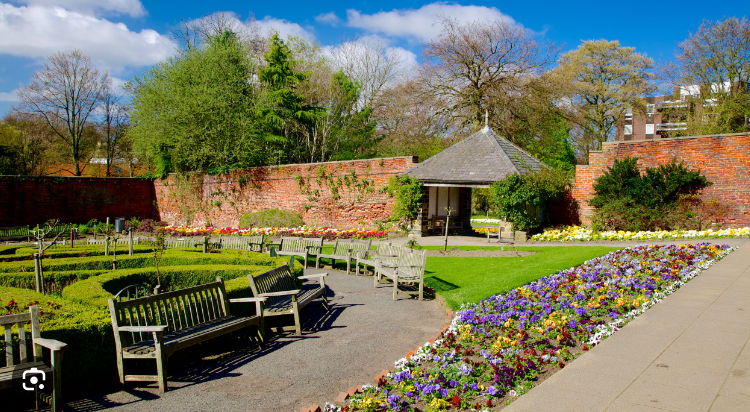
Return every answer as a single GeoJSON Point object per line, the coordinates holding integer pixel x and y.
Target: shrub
{"type": "Point", "coordinates": [625, 199]}
{"type": "Point", "coordinates": [408, 193]}
{"type": "Point", "coordinates": [272, 218]}
{"type": "Point", "coordinates": [522, 199]}
{"type": "Point", "coordinates": [89, 360]}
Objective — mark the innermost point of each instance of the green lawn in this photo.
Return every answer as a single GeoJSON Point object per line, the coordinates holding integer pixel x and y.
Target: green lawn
{"type": "Point", "coordinates": [471, 279]}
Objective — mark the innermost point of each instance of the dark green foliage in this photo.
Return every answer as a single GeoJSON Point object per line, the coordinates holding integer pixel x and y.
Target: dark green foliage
{"type": "Point", "coordinates": [408, 192]}
{"type": "Point", "coordinates": [522, 200]}
{"type": "Point", "coordinates": [351, 130]}
{"type": "Point", "coordinates": [272, 218]}
{"type": "Point", "coordinates": [625, 199]}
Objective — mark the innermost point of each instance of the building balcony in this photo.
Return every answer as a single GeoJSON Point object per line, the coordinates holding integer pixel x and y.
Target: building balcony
{"type": "Point", "coordinates": [674, 104]}
{"type": "Point", "coordinates": [670, 127]}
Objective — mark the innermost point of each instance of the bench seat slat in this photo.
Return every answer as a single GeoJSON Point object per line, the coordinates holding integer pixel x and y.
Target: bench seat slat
{"type": "Point", "coordinates": [11, 375]}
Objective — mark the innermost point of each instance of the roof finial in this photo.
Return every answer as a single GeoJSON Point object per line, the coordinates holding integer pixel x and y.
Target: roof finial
{"type": "Point", "coordinates": [486, 118]}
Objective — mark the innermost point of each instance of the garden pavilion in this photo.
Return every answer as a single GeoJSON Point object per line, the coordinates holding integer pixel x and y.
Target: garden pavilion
{"type": "Point", "coordinates": [448, 177]}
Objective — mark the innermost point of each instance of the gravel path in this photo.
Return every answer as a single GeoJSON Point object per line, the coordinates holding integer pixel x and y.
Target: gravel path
{"type": "Point", "coordinates": [364, 333]}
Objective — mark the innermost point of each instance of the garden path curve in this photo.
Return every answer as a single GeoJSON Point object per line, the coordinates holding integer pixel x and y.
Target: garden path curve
{"type": "Point", "coordinates": [364, 333]}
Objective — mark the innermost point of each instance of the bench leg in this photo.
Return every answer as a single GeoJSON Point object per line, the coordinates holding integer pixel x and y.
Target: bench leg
{"type": "Point", "coordinates": [348, 266]}
{"type": "Point", "coordinates": [395, 287]}
{"type": "Point", "coordinates": [121, 368]}
{"type": "Point", "coordinates": [297, 325]}
{"type": "Point", "coordinates": [57, 381]}
{"type": "Point", "coordinates": [161, 363]}
{"type": "Point", "coordinates": [317, 263]}
{"type": "Point", "coordinates": [421, 290]}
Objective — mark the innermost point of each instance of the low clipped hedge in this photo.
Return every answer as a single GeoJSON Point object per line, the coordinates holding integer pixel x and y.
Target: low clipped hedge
{"type": "Point", "coordinates": [97, 290]}
{"type": "Point", "coordinates": [54, 282]}
{"type": "Point", "coordinates": [172, 257]}
{"type": "Point", "coordinates": [89, 360]}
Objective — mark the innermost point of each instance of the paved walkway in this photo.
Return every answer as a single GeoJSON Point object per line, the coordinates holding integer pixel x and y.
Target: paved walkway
{"type": "Point", "coordinates": [690, 352]}
{"type": "Point", "coordinates": [364, 333]}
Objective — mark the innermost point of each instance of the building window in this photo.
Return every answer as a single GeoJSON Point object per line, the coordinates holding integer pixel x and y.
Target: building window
{"type": "Point", "coordinates": [650, 109]}
{"type": "Point", "coordinates": [628, 129]}
{"type": "Point", "coordinates": [629, 115]}
{"type": "Point", "coordinates": [649, 129]}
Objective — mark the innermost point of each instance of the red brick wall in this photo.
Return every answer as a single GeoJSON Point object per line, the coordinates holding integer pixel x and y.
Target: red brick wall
{"type": "Point", "coordinates": [29, 200]}
{"type": "Point", "coordinates": [223, 199]}
{"type": "Point", "coordinates": [722, 159]}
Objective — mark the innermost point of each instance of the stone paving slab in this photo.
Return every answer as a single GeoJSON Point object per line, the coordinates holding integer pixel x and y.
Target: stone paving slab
{"type": "Point", "coordinates": [690, 352]}
{"type": "Point", "coordinates": [364, 333]}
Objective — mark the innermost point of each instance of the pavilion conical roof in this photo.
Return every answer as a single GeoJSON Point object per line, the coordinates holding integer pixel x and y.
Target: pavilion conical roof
{"type": "Point", "coordinates": [480, 159]}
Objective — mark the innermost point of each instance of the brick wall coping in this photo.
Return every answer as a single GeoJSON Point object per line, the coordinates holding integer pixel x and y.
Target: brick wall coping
{"type": "Point", "coordinates": [77, 177]}
{"type": "Point", "coordinates": [667, 139]}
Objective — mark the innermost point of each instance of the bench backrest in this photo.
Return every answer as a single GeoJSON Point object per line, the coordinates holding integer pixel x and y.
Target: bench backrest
{"type": "Point", "coordinates": [275, 280]}
{"type": "Point", "coordinates": [299, 244]}
{"type": "Point", "coordinates": [412, 262]}
{"type": "Point", "coordinates": [178, 310]}
{"type": "Point", "coordinates": [120, 241]}
{"type": "Point", "coordinates": [388, 249]}
{"type": "Point", "coordinates": [14, 231]}
{"type": "Point", "coordinates": [242, 242]}
{"type": "Point", "coordinates": [13, 338]}
{"type": "Point", "coordinates": [342, 246]}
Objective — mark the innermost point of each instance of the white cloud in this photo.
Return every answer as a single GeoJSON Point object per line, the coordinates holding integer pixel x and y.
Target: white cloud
{"type": "Point", "coordinates": [283, 27]}
{"type": "Point", "coordinates": [328, 18]}
{"type": "Point", "coordinates": [38, 31]}
{"type": "Point", "coordinates": [419, 24]}
{"type": "Point", "coordinates": [11, 96]}
{"type": "Point", "coordinates": [133, 8]}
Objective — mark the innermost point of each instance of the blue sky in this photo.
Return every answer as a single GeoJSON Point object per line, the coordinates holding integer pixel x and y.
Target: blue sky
{"type": "Point", "coordinates": [127, 36]}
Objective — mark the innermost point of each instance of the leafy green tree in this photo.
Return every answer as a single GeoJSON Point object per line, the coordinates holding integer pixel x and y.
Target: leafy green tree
{"type": "Point", "coordinates": [199, 107]}
{"type": "Point", "coordinates": [602, 80]}
{"type": "Point", "coordinates": [284, 113]}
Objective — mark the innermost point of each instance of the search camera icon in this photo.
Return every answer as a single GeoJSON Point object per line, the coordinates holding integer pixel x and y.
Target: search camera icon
{"type": "Point", "coordinates": [33, 378]}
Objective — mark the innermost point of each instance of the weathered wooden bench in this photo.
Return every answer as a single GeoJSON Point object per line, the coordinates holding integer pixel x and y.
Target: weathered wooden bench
{"type": "Point", "coordinates": [408, 269]}
{"type": "Point", "coordinates": [385, 251]}
{"type": "Point", "coordinates": [346, 250]}
{"type": "Point", "coordinates": [154, 327]}
{"type": "Point", "coordinates": [250, 243]}
{"type": "Point", "coordinates": [285, 296]}
{"type": "Point", "coordinates": [504, 242]}
{"type": "Point", "coordinates": [305, 247]}
{"type": "Point", "coordinates": [12, 374]}
{"type": "Point", "coordinates": [15, 233]}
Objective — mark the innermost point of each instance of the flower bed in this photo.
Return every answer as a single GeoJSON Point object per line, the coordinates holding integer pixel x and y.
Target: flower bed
{"type": "Point", "coordinates": [486, 221]}
{"type": "Point", "coordinates": [302, 231]}
{"type": "Point", "coordinates": [579, 233]}
{"type": "Point", "coordinates": [498, 349]}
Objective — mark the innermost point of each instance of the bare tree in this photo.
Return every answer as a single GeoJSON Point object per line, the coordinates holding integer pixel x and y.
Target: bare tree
{"type": "Point", "coordinates": [114, 123]}
{"type": "Point", "coordinates": [371, 63]}
{"type": "Point", "coordinates": [193, 33]}
{"type": "Point", "coordinates": [65, 92]}
{"type": "Point", "coordinates": [469, 63]}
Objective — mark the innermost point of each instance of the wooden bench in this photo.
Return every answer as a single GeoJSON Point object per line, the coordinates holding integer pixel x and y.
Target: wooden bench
{"type": "Point", "coordinates": [249, 243]}
{"type": "Point", "coordinates": [154, 327]}
{"type": "Point", "coordinates": [345, 249]}
{"type": "Point", "coordinates": [15, 233]}
{"type": "Point", "coordinates": [504, 242]}
{"type": "Point", "coordinates": [299, 246]}
{"type": "Point", "coordinates": [12, 374]}
{"type": "Point", "coordinates": [284, 295]}
{"type": "Point", "coordinates": [409, 269]}
{"type": "Point", "coordinates": [385, 251]}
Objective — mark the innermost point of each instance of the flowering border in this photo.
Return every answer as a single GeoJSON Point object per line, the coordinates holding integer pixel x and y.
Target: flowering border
{"type": "Point", "coordinates": [583, 234]}
{"type": "Point", "coordinates": [301, 231]}
{"type": "Point", "coordinates": [496, 350]}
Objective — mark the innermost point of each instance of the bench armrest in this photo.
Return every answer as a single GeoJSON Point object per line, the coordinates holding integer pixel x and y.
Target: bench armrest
{"type": "Point", "coordinates": [388, 264]}
{"type": "Point", "coordinates": [247, 300]}
{"type": "Point", "coordinates": [318, 275]}
{"type": "Point", "coordinates": [152, 328]}
{"type": "Point", "coordinates": [284, 293]}
{"type": "Point", "coordinates": [51, 344]}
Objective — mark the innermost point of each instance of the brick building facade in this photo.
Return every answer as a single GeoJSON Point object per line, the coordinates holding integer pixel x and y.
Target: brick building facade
{"type": "Point", "coordinates": [722, 159]}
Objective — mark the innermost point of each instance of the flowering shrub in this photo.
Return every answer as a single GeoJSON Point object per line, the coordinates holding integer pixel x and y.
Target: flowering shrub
{"type": "Point", "coordinates": [579, 233]}
{"type": "Point", "coordinates": [302, 231]}
{"type": "Point", "coordinates": [494, 351]}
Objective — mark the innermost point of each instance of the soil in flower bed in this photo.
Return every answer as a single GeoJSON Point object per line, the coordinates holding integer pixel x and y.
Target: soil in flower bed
{"type": "Point", "coordinates": [503, 346]}
{"type": "Point", "coordinates": [478, 253]}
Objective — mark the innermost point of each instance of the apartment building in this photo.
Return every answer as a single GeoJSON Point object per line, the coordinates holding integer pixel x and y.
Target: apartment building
{"type": "Point", "coordinates": [666, 116]}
